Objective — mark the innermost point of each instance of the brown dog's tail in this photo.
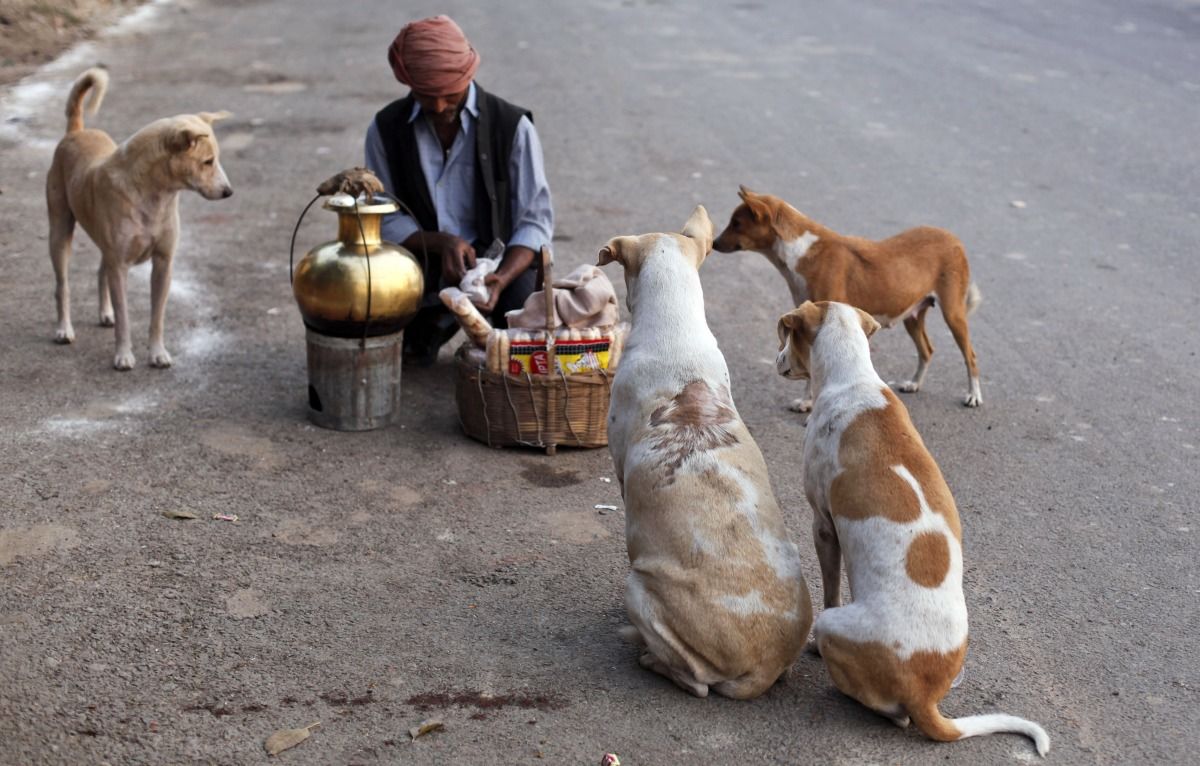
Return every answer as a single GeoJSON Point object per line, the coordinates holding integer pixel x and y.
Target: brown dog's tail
{"type": "Point", "coordinates": [974, 298]}
{"type": "Point", "coordinates": [92, 83]}
{"type": "Point", "coordinates": [931, 722]}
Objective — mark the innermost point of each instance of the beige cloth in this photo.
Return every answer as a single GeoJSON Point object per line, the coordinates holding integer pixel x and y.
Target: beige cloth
{"type": "Point", "coordinates": [583, 298]}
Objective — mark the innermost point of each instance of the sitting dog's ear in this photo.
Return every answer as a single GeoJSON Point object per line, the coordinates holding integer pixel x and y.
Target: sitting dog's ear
{"type": "Point", "coordinates": [869, 325]}
{"type": "Point", "coordinates": [182, 140]}
{"type": "Point", "coordinates": [700, 229]}
{"type": "Point", "coordinates": [614, 251]}
{"type": "Point", "coordinates": [211, 117]}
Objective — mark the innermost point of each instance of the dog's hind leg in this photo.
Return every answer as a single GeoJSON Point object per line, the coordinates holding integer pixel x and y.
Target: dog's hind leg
{"type": "Point", "coordinates": [915, 324]}
{"type": "Point", "coordinates": [955, 314]}
{"type": "Point", "coordinates": [62, 232]}
{"type": "Point", "coordinates": [160, 286]}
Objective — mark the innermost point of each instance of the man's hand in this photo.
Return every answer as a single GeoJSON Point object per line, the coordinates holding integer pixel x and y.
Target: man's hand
{"type": "Point", "coordinates": [516, 260]}
{"type": "Point", "coordinates": [495, 286]}
{"type": "Point", "coordinates": [457, 257]}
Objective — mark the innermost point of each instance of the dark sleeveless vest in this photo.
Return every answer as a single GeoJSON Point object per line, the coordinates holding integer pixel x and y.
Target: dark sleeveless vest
{"type": "Point", "coordinates": [494, 132]}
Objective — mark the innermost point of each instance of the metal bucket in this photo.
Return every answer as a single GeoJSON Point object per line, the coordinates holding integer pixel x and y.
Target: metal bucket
{"type": "Point", "coordinates": [353, 385]}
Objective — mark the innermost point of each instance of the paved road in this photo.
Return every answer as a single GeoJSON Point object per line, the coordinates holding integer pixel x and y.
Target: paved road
{"type": "Point", "coordinates": [378, 579]}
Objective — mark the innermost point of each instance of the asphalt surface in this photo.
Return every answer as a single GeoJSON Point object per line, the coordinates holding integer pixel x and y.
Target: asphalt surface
{"type": "Point", "coordinates": [374, 580]}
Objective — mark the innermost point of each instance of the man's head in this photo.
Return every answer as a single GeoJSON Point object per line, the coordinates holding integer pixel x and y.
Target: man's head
{"type": "Point", "coordinates": [434, 58]}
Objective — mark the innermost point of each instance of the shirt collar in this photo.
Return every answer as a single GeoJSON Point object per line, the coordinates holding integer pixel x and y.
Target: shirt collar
{"type": "Point", "coordinates": [470, 106]}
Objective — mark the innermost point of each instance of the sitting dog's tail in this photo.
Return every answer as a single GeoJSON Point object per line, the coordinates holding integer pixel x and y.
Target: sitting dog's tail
{"type": "Point", "coordinates": [931, 722]}
{"type": "Point", "coordinates": [974, 298]}
{"type": "Point", "coordinates": [92, 83]}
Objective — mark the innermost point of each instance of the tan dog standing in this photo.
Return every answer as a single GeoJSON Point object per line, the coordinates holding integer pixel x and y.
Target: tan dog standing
{"type": "Point", "coordinates": [879, 499]}
{"type": "Point", "coordinates": [892, 279]}
{"type": "Point", "coordinates": [715, 592]}
{"type": "Point", "coordinates": [127, 199]}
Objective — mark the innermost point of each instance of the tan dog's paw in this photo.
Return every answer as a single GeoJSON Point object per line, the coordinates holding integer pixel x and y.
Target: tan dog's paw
{"type": "Point", "coordinates": [107, 320]}
{"type": "Point", "coordinates": [973, 400]}
{"type": "Point", "coordinates": [160, 358]}
{"type": "Point", "coordinates": [123, 360]}
{"type": "Point", "coordinates": [908, 387]}
{"type": "Point", "coordinates": [64, 335]}
{"type": "Point", "coordinates": [801, 405]}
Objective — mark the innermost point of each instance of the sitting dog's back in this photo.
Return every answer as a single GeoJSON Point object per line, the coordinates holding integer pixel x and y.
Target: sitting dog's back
{"type": "Point", "coordinates": [715, 592]}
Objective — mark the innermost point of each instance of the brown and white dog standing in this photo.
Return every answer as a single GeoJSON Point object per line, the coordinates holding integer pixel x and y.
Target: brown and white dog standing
{"type": "Point", "coordinates": [892, 279]}
{"type": "Point", "coordinates": [715, 592]}
{"type": "Point", "coordinates": [879, 499]}
{"type": "Point", "coordinates": [127, 199]}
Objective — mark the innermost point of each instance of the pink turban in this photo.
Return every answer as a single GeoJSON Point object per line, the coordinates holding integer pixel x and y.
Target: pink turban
{"type": "Point", "coordinates": [433, 57]}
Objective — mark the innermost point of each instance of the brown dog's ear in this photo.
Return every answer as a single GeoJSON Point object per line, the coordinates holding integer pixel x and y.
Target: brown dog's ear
{"type": "Point", "coordinates": [754, 202]}
{"type": "Point", "coordinates": [182, 139]}
{"type": "Point", "coordinates": [699, 228]}
{"type": "Point", "coordinates": [211, 117]}
{"type": "Point", "coordinates": [869, 325]}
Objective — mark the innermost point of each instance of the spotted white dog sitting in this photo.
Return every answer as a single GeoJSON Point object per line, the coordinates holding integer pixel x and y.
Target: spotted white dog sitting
{"type": "Point", "coordinates": [878, 498]}
{"type": "Point", "coordinates": [715, 594]}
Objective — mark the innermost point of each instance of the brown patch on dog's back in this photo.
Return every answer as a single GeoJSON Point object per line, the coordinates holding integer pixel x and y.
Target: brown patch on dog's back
{"type": "Point", "coordinates": [695, 420]}
{"type": "Point", "coordinates": [928, 559]}
{"type": "Point", "coordinates": [868, 485]}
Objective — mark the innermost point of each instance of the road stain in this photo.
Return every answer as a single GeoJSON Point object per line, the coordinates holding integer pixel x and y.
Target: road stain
{"type": "Point", "coordinates": [544, 475]}
{"type": "Point", "coordinates": [235, 441]}
{"type": "Point", "coordinates": [246, 603]}
{"type": "Point", "coordinates": [296, 532]}
{"type": "Point", "coordinates": [38, 540]}
{"type": "Point", "coordinates": [525, 700]}
{"type": "Point", "coordinates": [574, 527]}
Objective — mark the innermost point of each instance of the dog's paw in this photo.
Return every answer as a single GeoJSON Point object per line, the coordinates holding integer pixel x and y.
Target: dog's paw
{"type": "Point", "coordinates": [973, 400]}
{"type": "Point", "coordinates": [64, 335]}
{"type": "Point", "coordinates": [813, 648]}
{"type": "Point", "coordinates": [908, 387]}
{"type": "Point", "coordinates": [801, 405]}
{"type": "Point", "coordinates": [107, 320]}
{"type": "Point", "coordinates": [123, 360]}
{"type": "Point", "coordinates": [160, 358]}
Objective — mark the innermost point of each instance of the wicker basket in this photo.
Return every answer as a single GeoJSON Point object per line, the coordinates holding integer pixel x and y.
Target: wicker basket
{"type": "Point", "coordinates": [542, 411]}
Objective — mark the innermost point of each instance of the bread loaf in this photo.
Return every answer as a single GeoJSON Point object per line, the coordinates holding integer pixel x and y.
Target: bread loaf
{"type": "Point", "coordinates": [474, 323]}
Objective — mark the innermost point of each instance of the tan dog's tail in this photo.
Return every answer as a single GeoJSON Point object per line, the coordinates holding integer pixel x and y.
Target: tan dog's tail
{"type": "Point", "coordinates": [931, 722]}
{"type": "Point", "coordinates": [92, 83]}
{"type": "Point", "coordinates": [974, 298]}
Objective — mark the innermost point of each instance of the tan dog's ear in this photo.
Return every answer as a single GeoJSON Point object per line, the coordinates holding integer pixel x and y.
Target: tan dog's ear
{"type": "Point", "coordinates": [700, 229]}
{"type": "Point", "coordinates": [182, 139]}
{"type": "Point", "coordinates": [211, 117]}
{"type": "Point", "coordinates": [869, 325]}
{"type": "Point", "coordinates": [810, 316]}
{"type": "Point", "coordinates": [613, 251]}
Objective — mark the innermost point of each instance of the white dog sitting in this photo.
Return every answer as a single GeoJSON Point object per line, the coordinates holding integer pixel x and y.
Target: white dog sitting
{"type": "Point", "coordinates": [878, 498]}
{"type": "Point", "coordinates": [715, 594]}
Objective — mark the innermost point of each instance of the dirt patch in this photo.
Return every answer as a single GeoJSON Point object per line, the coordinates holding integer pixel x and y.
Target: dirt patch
{"type": "Point", "coordinates": [33, 32]}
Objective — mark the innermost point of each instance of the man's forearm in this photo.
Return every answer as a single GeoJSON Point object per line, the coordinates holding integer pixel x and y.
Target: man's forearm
{"type": "Point", "coordinates": [516, 259]}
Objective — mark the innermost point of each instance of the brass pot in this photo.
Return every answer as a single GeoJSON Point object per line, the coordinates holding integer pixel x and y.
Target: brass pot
{"type": "Point", "coordinates": [330, 282]}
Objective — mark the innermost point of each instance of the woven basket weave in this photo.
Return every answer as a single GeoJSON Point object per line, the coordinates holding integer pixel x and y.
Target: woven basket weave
{"type": "Point", "coordinates": [542, 411]}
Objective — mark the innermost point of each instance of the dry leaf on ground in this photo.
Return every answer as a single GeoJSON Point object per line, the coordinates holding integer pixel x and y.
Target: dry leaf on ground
{"type": "Point", "coordinates": [180, 515]}
{"type": "Point", "coordinates": [288, 738]}
{"type": "Point", "coordinates": [424, 727]}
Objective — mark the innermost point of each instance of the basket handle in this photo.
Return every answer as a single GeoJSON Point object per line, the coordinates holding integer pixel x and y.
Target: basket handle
{"type": "Point", "coordinates": [548, 294]}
